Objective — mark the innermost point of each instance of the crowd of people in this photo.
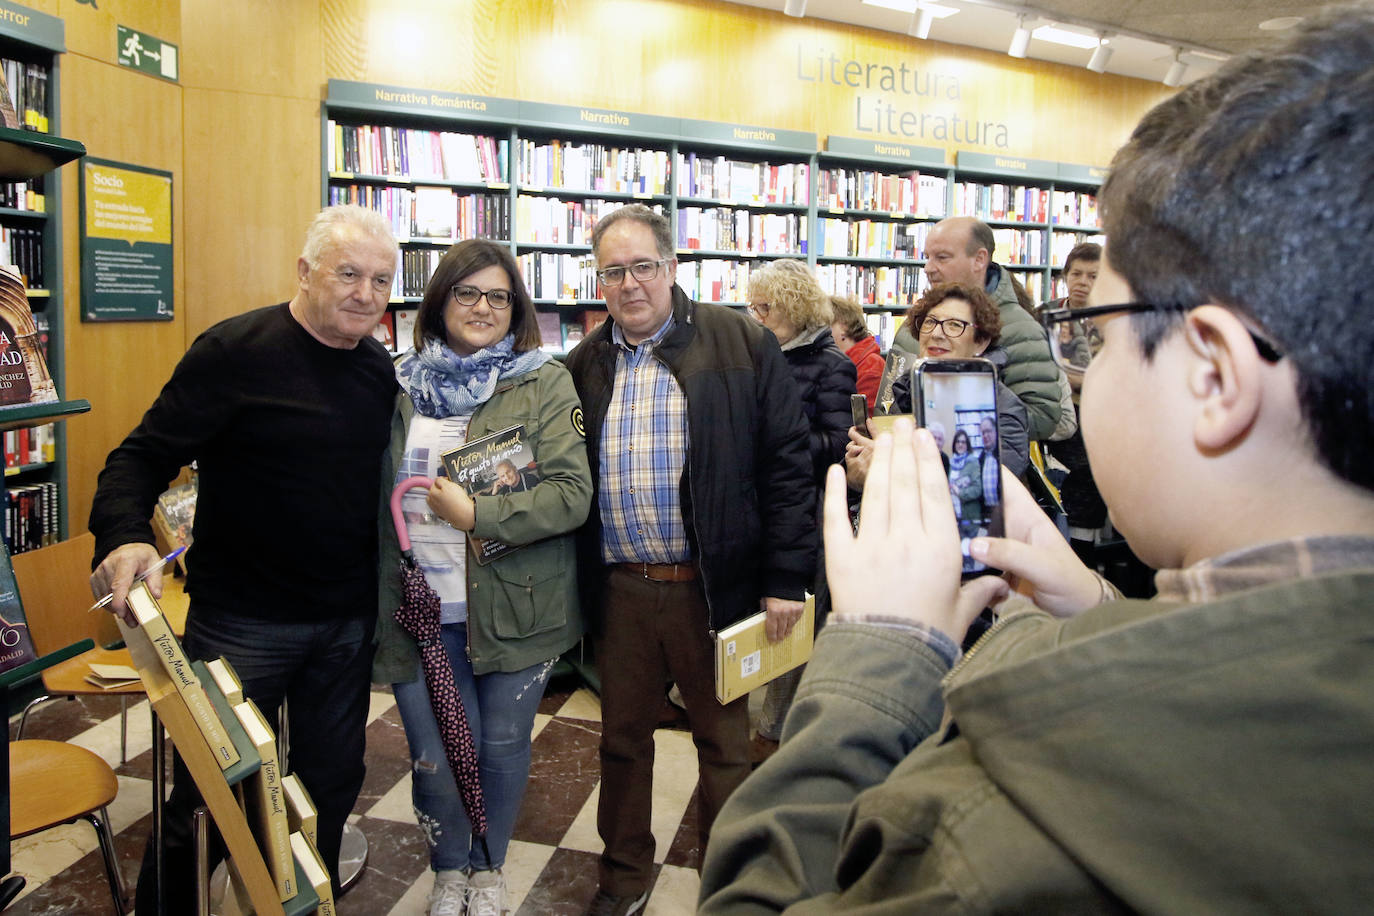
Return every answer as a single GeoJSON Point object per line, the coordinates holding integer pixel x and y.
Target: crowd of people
{"type": "Point", "coordinates": [1204, 750]}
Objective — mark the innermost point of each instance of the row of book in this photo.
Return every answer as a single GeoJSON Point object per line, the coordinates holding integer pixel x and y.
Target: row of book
{"type": "Point", "coordinates": [1020, 203]}
{"type": "Point", "coordinates": [549, 275]}
{"type": "Point", "coordinates": [740, 182]}
{"type": "Point", "coordinates": [864, 238]}
{"type": "Point", "coordinates": [1075, 208]}
{"type": "Point", "coordinates": [279, 811]}
{"type": "Point", "coordinates": [552, 220]}
{"type": "Point", "coordinates": [32, 514]}
{"type": "Point", "coordinates": [24, 195]}
{"type": "Point", "coordinates": [27, 87]}
{"type": "Point", "coordinates": [428, 213]}
{"type": "Point", "coordinates": [403, 152]}
{"type": "Point", "coordinates": [24, 249]}
{"type": "Point", "coordinates": [565, 164]}
{"type": "Point", "coordinates": [417, 266]}
{"type": "Point", "coordinates": [726, 229]}
{"type": "Point", "coordinates": [396, 330]}
{"type": "Point", "coordinates": [30, 445]}
{"type": "Point", "coordinates": [1064, 242]}
{"type": "Point", "coordinates": [915, 194]}
{"type": "Point", "coordinates": [884, 326]}
{"type": "Point", "coordinates": [897, 285]}
{"type": "Point", "coordinates": [1019, 246]}
{"type": "Point", "coordinates": [715, 280]}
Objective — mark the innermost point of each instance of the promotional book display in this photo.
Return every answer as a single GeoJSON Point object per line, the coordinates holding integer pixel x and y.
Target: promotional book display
{"type": "Point", "coordinates": [539, 176]}
{"type": "Point", "coordinates": [501, 462]}
{"type": "Point", "coordinates": [746, 660]}
{"type": "Point", "coordinates": [202, 707]}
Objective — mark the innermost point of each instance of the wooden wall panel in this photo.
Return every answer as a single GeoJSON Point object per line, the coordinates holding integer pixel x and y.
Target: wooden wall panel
{"type": "Point", "coordinates": [253, 171]}
{"type": "Point", "coordinates": [119, 366]}
{"type": "Point", "coordinates": [724, 62]}
{"type": "Point", "coordinates": [91, 28]}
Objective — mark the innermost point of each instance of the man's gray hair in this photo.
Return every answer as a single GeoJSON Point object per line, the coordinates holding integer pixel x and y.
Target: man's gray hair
{"type": "Point", "coordinates": [326, 225]}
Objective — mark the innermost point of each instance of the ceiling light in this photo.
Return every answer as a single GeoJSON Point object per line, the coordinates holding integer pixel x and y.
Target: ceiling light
{"type": "Point", "coordinates": [1279, 24]}
{"type": "Point", "coordinates": [1176, 70]}
{"type": "Point", "coordinates": [1020, 41]}
{"type": "Point", "coordinates": [795, 8]}
{"type": "Point", "coordinates": [920, 24]}
{"type": "Point", "coordinates": [1101, 54]}
{"type": "Point", "coordinates": [911, 6]}
{"type": "Point", "coordinates": [1062, 36]}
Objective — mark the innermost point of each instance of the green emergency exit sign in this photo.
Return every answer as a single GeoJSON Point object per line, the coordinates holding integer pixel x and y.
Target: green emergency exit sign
{"type": "Point", "coordinates": [146, 53]}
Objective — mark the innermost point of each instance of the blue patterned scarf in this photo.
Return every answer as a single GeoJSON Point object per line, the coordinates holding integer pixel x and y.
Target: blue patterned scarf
{"type": "Point", "coordinates": [443, 384]}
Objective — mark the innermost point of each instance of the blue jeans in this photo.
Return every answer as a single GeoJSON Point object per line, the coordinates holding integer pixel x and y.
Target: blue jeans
{"type": "Point", "coordinates": [500, 708]}
{"type": "Point", "coordinates": [323, 669]}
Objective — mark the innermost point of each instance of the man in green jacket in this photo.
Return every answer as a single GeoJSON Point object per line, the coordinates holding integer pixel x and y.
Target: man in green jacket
{"type": "Point", "coordinates": [1207, 751]}
{"type": "Point", "coordinates": [959, 250]}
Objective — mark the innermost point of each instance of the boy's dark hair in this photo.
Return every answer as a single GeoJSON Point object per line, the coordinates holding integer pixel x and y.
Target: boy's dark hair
{"type": "Point", "coordinates": [1248, 189]}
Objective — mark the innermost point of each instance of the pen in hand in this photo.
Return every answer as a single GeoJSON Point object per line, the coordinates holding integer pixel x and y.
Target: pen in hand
{"type": "Point", "coordinates": [105, 602]}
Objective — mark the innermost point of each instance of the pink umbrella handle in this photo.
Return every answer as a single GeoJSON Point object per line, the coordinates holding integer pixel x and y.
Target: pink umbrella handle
{"type": "Point", "coordinates": [402, 488]}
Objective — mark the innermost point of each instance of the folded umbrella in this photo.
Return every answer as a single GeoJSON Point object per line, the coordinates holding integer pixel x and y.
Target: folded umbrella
{"type": "Point", "coordinates": [418, 615]}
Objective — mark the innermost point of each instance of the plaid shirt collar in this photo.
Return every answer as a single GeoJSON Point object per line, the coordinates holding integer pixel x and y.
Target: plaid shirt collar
{"type": "Point", "coordinates": [1264, 564]}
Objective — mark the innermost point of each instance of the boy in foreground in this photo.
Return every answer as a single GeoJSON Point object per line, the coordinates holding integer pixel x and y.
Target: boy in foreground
{"type": "Point", "coordinates": [1206, 751]}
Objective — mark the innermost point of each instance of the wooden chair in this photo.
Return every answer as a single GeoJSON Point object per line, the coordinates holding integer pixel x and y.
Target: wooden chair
{"type": "Point", "coordinates": [54, 783]}
{"type": "Point", "coordinates": [54, 586]}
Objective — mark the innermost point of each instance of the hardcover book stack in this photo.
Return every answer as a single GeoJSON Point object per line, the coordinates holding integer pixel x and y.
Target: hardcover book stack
{"type": "Point", "coordinates": [243, 745]}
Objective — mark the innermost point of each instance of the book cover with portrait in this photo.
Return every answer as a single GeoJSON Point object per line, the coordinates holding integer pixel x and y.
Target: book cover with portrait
{"type": "Point", "coordinates": [499, 463]}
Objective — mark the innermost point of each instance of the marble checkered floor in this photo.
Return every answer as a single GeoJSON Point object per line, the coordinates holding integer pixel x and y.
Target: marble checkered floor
{"type": "Point", "coordinates": [551, 867]}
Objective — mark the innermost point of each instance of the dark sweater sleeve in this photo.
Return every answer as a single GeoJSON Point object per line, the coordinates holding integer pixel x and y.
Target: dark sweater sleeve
{"type": "Point", "coordinates": [193, 407]}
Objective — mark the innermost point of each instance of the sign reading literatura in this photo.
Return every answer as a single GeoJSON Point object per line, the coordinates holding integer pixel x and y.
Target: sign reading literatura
{"type": "Point", "coordinates": [902, 101]}
{"type": "Point", "coordinates": [126, 242]}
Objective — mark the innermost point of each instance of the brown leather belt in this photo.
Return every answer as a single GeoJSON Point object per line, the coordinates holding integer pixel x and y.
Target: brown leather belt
{"type": "Point", "coordinates": [662, 572]}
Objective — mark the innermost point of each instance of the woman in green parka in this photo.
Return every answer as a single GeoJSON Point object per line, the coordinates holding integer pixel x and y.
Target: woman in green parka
{"type": "Point", "coordinates": [477, 368]}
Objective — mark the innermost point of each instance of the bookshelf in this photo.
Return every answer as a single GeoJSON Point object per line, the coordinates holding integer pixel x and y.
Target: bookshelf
{"type": "Point", "coordinates": [538, 176]}
{"type": "Point", "coordinates": [31, 238]}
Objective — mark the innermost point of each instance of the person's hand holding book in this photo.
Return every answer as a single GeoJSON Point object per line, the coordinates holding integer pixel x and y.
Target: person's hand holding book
{"type": "Point", "coordinates": [451, 502]}
{"type": "Point", "coordinates": [120, 569]}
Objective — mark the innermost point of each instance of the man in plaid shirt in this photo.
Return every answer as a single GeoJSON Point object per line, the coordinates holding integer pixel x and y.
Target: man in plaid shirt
{"type": "Point", "coordinates": [705, 510]}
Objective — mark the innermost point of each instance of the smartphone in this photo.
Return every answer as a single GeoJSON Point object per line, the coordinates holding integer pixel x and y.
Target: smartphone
{"type": "Point", "coordinates": [956, 399]}
{"type": "Point", "coordinates": [858, 413]}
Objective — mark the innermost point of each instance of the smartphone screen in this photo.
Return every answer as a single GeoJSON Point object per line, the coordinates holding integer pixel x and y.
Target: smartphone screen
{"type": "Point", "coordinates": [858, 413]}
{"type": "Point", "coordinates": [956, 399]}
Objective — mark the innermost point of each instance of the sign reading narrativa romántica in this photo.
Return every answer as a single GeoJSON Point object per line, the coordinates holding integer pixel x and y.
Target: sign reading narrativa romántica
{"type": "Point", "coordinates": [876, 114]}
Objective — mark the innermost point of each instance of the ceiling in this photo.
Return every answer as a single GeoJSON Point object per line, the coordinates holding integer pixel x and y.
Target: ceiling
{"type": "Point", "coordinates": [1144, 33]}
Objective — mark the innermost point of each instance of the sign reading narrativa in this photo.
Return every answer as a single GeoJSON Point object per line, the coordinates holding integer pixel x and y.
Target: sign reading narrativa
{"type": "Point", "coordinates": [126, 242]}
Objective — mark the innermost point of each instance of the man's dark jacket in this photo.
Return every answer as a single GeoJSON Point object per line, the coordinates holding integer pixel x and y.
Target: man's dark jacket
{"type": "Point", "coordinates": [748, 500]}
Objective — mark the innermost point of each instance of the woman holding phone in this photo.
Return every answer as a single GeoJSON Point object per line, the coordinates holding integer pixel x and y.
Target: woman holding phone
{"type": "Point", "coordinates": [477, 368]}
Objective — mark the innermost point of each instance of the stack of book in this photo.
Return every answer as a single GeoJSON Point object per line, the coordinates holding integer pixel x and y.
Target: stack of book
{"type": "Point", "coordinates": [245, 747]}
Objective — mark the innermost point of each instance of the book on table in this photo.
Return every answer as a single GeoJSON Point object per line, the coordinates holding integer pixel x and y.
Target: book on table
{"type": "Point", "coordinates": [226, 679]}
{"type": "Point", "coordinates": [154, 632]}
{"type": "Point", "coordinates": [745, 659]}
{"type": "Point", "coordinates": [501, 462]}
{"type": "Point", "coordinates": [108, 677]}
{"type": "Point", "coordinates": [264, 801]}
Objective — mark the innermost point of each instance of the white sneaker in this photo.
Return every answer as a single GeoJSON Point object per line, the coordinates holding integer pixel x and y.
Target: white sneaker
{"type": "Point", "coordinates": [487, 893]}
{"type": "Point", "coordinates": [449, 896]}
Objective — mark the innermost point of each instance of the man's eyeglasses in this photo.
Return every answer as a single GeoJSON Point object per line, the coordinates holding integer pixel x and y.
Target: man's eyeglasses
{"type": "Point", "coordinates": [468, 296]}
{"type": "Point", "coordinates": [1075, 336]}
{"type": "Point", "coordinates": [643, 271]}
{"type": "Point", "coordinates": [950, 327]}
